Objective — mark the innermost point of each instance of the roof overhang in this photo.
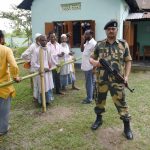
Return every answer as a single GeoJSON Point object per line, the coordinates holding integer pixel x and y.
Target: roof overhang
{"type": "Point", "coordinates": [133, 5]}
{"type": "Point", "coordinates": [25, 4]}
{"type": "Point", "coordinates": [144, 5]}
{"type": "Point", "coordinates": [139, 16]}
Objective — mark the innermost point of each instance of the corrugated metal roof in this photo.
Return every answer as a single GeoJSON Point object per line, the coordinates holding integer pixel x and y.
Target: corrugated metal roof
{"type": "Point", "coordinates": [143, 4]}
{"type": "Point", "coordinates": [134, 16]}
{"type": "Point", "coordinates": [146, 15]}
{"type": "Point", "coordinates": [138, 16]}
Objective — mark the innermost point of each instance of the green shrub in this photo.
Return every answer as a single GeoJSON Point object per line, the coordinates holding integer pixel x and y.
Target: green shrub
{"type": "Point", "coordinates": [18, 51]}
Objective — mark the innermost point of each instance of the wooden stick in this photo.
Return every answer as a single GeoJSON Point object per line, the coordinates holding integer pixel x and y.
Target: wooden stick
{"type": "Point", "coordinates": [42, 79]}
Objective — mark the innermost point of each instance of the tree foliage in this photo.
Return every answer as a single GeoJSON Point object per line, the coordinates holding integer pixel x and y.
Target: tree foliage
{"type": "Point", "coordinates": [21, 21]}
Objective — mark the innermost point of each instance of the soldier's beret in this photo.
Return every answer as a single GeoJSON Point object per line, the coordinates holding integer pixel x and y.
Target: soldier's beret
{"type": "Point", "coordinates": [111, 23]}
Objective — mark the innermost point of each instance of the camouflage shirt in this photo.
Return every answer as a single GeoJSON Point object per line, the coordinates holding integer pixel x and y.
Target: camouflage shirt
{"type": "Point", "coordinates": [116, 54]}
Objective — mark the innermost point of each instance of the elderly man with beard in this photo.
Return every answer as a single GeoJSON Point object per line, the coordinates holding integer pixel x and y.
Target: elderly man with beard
{"type": "Point", "coordinates": [35, 64]}
{"type": "Point", "coordinates": [67, 72]}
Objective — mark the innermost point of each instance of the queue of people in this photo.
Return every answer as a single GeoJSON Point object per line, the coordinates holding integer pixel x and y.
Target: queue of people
{"type": "Point", "coordinates": [54, 55]}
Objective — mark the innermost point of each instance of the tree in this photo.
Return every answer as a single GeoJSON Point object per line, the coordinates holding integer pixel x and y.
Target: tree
{"type": "Point", "coordinates": [21, 21]}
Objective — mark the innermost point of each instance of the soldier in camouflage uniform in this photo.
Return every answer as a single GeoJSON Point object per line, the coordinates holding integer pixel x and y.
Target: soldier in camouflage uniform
{"type": "Point", "coordinates": [116, 53]}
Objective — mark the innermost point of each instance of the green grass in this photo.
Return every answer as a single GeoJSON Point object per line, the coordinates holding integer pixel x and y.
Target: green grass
{"type": "Point", "coordinates": [66, 124]}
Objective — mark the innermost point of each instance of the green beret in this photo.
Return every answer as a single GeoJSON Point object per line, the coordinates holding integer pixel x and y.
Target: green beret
{"type": "Point", "coordinates": [111, 23]}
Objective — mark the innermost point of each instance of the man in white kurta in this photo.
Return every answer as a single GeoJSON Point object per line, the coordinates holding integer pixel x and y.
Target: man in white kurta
{"type": "Point", "coordinates": [54, 47]}
{"type": "Point", "coordinates": [65, 77]}
{"type": "Point", "coordinates": [35, 64]}
{"type": "Point", "coordinates": [27, 55]}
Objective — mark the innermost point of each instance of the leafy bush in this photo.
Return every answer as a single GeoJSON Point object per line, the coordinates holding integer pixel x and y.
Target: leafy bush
{"type": "Point", "coordinates": [18, 51]}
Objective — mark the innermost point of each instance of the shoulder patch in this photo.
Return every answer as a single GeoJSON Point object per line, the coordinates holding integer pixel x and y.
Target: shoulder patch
{"type": "Point", "coordinates": [122, 40]}
{"type": "Point", "coordinates": [101, 42]}
{"type": "Point", "coordinates": [104, 40]}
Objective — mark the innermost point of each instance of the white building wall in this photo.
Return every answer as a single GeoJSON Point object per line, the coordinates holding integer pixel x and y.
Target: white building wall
{"type": "Point", "coordinates": [99, 10]}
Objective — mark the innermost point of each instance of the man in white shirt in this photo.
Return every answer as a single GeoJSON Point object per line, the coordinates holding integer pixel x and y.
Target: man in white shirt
{"type": "Point", "coordinates": [35, 64]}
{"type": "Point", "coordinates": [27, 55]}
{"type": "Point", "coordinates": [87, 47]}
{"type": "Point", "coordinates": [54, 47]}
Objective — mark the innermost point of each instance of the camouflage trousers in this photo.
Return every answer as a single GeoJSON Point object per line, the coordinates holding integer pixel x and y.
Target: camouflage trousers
{"type": "Point", "coordinates": [118, 96]}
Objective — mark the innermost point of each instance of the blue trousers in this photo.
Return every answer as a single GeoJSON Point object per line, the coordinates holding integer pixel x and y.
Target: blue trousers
{"type": "Point", "coordinates": [4, 114]}
{"type": "Point", "coordinates": [48, 96]}
{"type": "Point", "coordinates": [89, 84]}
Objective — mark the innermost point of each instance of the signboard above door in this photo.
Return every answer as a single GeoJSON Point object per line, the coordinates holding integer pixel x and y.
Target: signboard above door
{"type": "Point", "coordinates": [71, 6]}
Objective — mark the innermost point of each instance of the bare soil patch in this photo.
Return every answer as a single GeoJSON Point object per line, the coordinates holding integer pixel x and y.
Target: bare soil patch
{"type": "Point", "coordinates": [55, 114]}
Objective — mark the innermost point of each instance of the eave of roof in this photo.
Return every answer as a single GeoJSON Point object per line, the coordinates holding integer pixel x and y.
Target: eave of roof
{"type": "Point", "coordinates": [144, 5]}
{"type": "Point", "coordinates": [25, 4]}
{"type": "Point", "coordinates": [133, 5]}
{"type": "Point", "coordinates": [139, 16]}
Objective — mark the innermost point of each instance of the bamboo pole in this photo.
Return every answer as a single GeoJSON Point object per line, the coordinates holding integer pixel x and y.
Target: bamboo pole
{"type": "Point", "coordinates": [20, 62]}
{"type": "Point", "coordinates": [18, 59]}
{"type": "Point", "coordinates": [34, 74]}
{"type": "Point", "coordinates": [22, 78]}
{"type": "Point", "coordinates": [42, 79]}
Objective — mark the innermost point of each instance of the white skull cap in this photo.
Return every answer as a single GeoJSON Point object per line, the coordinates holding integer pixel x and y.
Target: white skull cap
{"type": "Point", "coordinates": [37, 35]}
{"type": "Point", "coordinates": [64, 35]}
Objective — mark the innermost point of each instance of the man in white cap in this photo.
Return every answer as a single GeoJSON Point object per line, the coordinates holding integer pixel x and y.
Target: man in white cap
{"type": "Point", "coordinates": [67, 75]}
{"type": "Point", "coordinates": [27, 55]}
{"type": "Point", "coordinates": [48, 78]}
{"type": "Point", "coordinates": [66, 69]}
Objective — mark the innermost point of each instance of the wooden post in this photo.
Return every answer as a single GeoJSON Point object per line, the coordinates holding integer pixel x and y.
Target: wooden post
{"type": "Point", "coordinates": [42, 79]}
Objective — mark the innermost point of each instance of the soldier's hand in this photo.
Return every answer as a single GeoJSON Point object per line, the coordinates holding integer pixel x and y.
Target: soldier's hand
{"type": "Point", "coordinates": [126, 79]}
{"type": "Point", "coordinates": [95, 63]}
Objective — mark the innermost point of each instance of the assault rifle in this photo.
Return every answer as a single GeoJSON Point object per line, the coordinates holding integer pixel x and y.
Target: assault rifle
{"type": "Point", "coordinates": [115, 73]}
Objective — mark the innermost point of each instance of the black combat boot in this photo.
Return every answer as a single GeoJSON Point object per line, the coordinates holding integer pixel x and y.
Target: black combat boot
{"type": "Point", "coordinates": [127, 130]}
{"type": "Point", "coordinates": [98, 122]}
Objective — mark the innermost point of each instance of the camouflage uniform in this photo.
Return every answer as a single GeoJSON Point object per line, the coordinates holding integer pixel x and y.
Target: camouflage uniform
{"type": "Point", "coordinates": [116, 54]}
